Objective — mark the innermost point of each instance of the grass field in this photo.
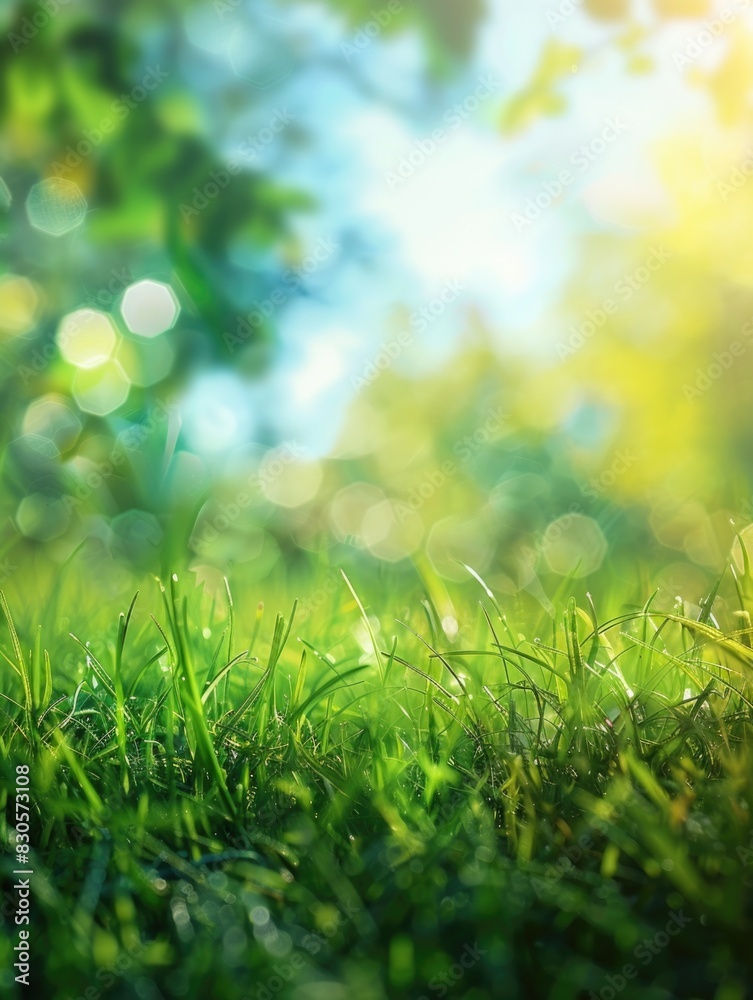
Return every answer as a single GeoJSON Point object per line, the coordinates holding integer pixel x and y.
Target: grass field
{"type": "Point", "coordinates": [337, 804]}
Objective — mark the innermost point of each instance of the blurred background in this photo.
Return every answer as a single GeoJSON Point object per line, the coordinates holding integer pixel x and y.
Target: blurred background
{"type": "Point", "coordinates": [401, 284]}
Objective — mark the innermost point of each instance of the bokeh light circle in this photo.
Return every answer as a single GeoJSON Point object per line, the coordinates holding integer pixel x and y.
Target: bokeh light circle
{"type": "Point", "coordinates": [19, 304]}
{"type": "Point", "coordinates": [574, 544]}
{"type": "Point", "coordinates": [101, 390]}
{"type": "Point", "coordinates": [86, 338]}
{"type": "Point", "coordinates": [290, 484]}
{"type": "Point", "coordinates": [149, 308]}
{"type": "Point", "coordinates": [42, 517]}
{"type": "Point", "coordinates": [53, 418]}
{"type": "Point", "coordinates": [146, 362]}
{"type": "Point", "coordinates": [55, 206]}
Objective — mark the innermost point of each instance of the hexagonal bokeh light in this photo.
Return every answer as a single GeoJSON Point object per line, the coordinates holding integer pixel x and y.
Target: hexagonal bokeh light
{"type": "Point", "coordinates": [53, 418]}
{"type": "Point", "coordinates": [19, 304]}
{"type": "Point", "coordinates": [101, 390]}
{"type": "Point", "coordinates": [146, 362]}
{"type": "Point", "coordinates": [55, 206]}
{"type": "Point", "coordinates": [574, 544]}
{"type": "Point", "coordinates": [149, 308]}
{"type": "Point", "coordinates": [392, 531]}
{"type": "Point", "coordinates": [5, 196]}
{"type": "Point", "coordinates": [292, 485]}
{"type": "Point", "coordinates": [349, 507]}
{"type": "Point", "coordinates": [457, 541]}
{"type": "Point", "coordinates": [87, 338]}
{"type": "Point", "coordinates": [42, 517]}
{"type": "Point", "coordinates": [138, 531]}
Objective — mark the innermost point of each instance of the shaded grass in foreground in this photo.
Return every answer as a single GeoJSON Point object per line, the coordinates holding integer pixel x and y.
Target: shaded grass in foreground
{"type": "Point", "coordinates": [335, 813]}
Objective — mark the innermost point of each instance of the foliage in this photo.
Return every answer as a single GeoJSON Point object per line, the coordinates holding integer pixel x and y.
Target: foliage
{"type": "Point", "coordinates": [368, 815]}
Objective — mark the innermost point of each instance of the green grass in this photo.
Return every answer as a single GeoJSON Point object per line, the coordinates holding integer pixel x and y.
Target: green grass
{"type": "Point", "coordinates": [344, 805]}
